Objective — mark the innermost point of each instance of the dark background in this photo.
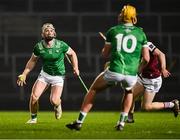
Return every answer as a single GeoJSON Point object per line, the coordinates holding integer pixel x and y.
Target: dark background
{"type": "Point", "coordinates": [78, 22]}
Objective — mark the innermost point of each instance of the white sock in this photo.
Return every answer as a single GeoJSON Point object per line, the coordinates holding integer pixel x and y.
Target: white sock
{"type": "Point", "coordinates": [168, 104]}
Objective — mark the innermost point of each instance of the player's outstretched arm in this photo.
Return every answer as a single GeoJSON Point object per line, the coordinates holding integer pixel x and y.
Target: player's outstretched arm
{"type": "Point", "coordinates": [29, 66]}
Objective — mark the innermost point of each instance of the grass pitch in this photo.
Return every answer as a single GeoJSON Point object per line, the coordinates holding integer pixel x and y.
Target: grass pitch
{"type": "Point", "coordinates": [98, 125]}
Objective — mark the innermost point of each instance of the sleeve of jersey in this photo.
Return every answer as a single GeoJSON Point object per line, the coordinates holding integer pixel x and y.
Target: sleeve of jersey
{"type": "Point", "coordinates": [108, 37]}
{"type": "Point", "coordinates": [144, 38]}
{"type": "Point", "coordinates": [36, 51]}
{"type": "Point", "coordinates": [151, 46]}
{"type": "Point", "coordinates": [65, 47]}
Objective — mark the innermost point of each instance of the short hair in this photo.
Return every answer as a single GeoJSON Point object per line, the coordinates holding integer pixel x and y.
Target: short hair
{"type": "Point", "coordinates": [47, 25]}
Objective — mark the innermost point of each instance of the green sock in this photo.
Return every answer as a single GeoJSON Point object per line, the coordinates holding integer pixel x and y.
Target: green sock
{"type": "Point", "coordinates": [123, 117]}
{"type": "Point", "coordinates": [33, 116]}
{"type": "Point", "coordinates": [82, 116]}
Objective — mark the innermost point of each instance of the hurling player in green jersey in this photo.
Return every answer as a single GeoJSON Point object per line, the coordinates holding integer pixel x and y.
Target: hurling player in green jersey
{"type": "Point", "coordinates": [124, 46]}
{"type": "Point", "coordinates": [52, 52]}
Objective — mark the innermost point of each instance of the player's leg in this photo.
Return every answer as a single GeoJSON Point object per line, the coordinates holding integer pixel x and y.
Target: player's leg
{"type": "Point", "coordinates": [138, 90]}
{"type": "Point", "coordinates": [127, 83]}
{"type": "Point", "coordinates": [57, 83]}
{"type": "Point", "coordinates": [98, 85]}
{"type": "Point", "coordinates": [55, 99]}
{"type": "Point", "coordinates": [149, 105]}
{"type": "Point", "coordinates": [126, 105]}
{"type": "Point", "coordinates": [38, 88]}
{"type": "Point", "coordinates": [152, 86]}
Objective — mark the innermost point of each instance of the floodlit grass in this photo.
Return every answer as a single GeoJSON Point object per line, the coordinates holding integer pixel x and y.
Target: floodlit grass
{"type": "Point", "coordinates": [98, 125]}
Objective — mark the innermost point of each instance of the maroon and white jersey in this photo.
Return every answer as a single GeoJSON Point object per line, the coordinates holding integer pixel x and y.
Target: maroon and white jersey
{"type": "Point", "coordinates": [152, 70]}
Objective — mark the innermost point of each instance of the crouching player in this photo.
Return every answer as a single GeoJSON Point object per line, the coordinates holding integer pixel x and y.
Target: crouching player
{"type": "Point", "coordinates": [149, 82]}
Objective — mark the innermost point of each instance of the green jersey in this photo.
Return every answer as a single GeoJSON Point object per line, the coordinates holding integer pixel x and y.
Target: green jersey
{"type": "Point", "coordinates": [52, 58]}
{"type": "Point", "coordinates": [127, 42]}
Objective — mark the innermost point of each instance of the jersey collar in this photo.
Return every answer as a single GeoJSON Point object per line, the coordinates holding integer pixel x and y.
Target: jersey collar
{"type": "Point", "coordinates": [128, 24]}
{"type": "Point", "coordinates": [45, 44]}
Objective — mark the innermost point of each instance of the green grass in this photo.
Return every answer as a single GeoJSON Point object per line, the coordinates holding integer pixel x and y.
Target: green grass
{"type": "Point", "coordinates": [98, 125]}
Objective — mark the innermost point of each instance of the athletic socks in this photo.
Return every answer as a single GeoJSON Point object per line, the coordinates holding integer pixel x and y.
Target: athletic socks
{"type": "Point", "coordinates": [33, 116]}
{"type": "Point", "coordinates": [82, 116]}
{"type": "Point", "coordinates": [123, 118]}
{"type": "Point", "coordinates": [168, 104]}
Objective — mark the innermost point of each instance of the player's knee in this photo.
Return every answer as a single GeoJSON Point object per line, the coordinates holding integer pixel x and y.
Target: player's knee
{"type": "Point", "coordinates": [34, 98]}
{"type": "Point", "coordinates": [128, 91]}
{"type": "Point", "coordinates": [55, 101]}
{"type": "Point", "coordinates": [147, 107]}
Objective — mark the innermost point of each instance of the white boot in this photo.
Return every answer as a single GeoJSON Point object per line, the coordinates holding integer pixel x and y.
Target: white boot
{"type": "Point", "coordinates": [32, 121]}
{"type": "Point", "coordinates": [58, 111]}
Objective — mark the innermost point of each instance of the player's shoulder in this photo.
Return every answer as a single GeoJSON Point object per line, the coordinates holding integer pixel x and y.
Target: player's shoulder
{"type": "Point", "coordinates": [118, 26]}
{"type": "Point", "coordinates": [114, 28]}
{"type": "Point", "coordinates": [139, 28]}
{"type": "Point", "coordinates": [39, 45]}
{"type": "Point", "coordinates": [60, 43]}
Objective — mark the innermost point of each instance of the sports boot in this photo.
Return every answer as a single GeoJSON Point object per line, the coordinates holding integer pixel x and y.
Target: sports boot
{"type": "Point", "coordinates": [119, 127]}
{"type": "Point", "coordinates": [130, 118]}
{"type": "Point", "coordinates": [58, 111]}
{"type": "Point", "coordinates": [74, 125]}
{"type": "Point", "coordinates": [175, 109]}
{"type": "Point", "coordinates": [32, 121]}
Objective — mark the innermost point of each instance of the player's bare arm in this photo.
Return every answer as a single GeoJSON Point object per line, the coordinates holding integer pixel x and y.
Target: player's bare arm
{"type": "Point", "coordinates": [145, 58]}
{"type": "Point", "coordinates": [71, 53]}
{"type": "Point", "coordinates": [162, 60]}
{"type": "Point", "coordinates": [29, 66]}
{"type": "Point", "coordinates": [106, 50]}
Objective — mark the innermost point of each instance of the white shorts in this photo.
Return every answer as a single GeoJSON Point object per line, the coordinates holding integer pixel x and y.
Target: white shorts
{"type": "Point", "coordinates": [50, 80]}
{"type": "Point", "coordinates": [127, 81]}
{"type": "Point", "coordinates": [151, 85]}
